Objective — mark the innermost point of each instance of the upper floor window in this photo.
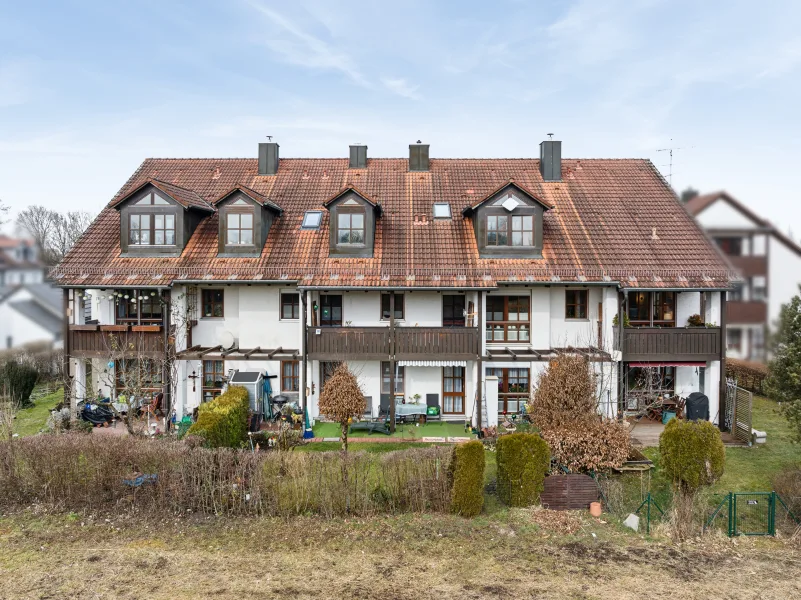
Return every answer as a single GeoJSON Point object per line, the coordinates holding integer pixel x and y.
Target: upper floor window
{"type": "Point", "coordinates": [139, 306]}
{"type": "Point", "coordinates": [290, 305]}
{"type": "Point", "coordinates": [508, 318]}
{"type": "Point", "coordinates": [733, 246]}
{"type": "Point", "coordinates": [239, 227]}
{"type": "Point", "coordinates": [350, 226]}
{"type": "Point", "coordinates": [213, 303]}
{"type": "Point", "coordinates": [442, 210]}
{"type": "Point", "coordinates": [385, 313]}
{"type": "Point", "coordinates": [151, 230]}
{"type": "Point", "coordinates": [652, 309]}
{"type": "Point", "coordinates": [576, 304]}
{"type": "Point", "coordinates": [312, 219]}
{"type": "Point", "coordinates": [453, 310]}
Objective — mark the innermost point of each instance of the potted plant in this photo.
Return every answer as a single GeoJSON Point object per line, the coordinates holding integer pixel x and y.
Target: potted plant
{"type": "Point", "coordinates": [626, 322]}
{"type": "Point", "coordinates": [415, 399]}
{"type": "Point", "coordinates": [695, 321]}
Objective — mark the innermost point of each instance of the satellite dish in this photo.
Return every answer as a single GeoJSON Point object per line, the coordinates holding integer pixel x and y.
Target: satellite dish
{"type": "Point", "coordinates": [226, 339]}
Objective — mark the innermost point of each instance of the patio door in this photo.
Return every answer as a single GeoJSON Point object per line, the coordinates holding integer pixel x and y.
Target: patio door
{"type": "Point", "coordinates": [453, 390]}
{"type": "Point", "coordinates": [331, 310]}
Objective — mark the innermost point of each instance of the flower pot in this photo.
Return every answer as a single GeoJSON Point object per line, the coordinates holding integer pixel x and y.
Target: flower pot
{"type": "Point", "coordinates": [595, 509]}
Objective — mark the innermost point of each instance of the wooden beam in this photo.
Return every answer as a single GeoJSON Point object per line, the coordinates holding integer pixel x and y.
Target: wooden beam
{"type": "Point", "coordinates": [511, 352]}
{"type": "Point", "coordinates": [209, 350]}
{"type": "Point", "coordinates": [227, 352]}
{"type": "Point", "coordinates": [272, 353]}
{"type": "Point", "coordinates": [254, 351]}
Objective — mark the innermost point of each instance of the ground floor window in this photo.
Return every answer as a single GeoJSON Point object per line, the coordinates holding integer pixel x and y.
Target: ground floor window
{"type": "Point", "coordinates": [213, 379]}
{"type": "Point", "coordinates": [400, 377]}
{"type": "Point", "coordinates": [290, 376]}
{"type": "Point", "coordinates": [327, 369]}
{"type": "Point", "coordinates": [513, 388]}
{"type": "Point", "coordinates": [645, 385]}
{"type": "Point", "coordinates": [734, 339]}
{"type": "Point", "coordinates": [138, 377]}
{"type": "Point", "coordinates": [453, 390]}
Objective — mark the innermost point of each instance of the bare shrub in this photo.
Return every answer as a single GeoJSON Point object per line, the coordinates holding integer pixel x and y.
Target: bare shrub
{"type": "Point", "coordinates": [86, 473]}
{"type": "Point", "coordinates": [341, 399]}
{"type": "Point", "coordinates": [564, 408]}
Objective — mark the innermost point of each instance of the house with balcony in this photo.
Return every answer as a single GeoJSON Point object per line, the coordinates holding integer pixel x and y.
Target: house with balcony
{"type": "Point", "coordinates": [451, 281]}
{"type": "Point", "coordinates": [768, 263]}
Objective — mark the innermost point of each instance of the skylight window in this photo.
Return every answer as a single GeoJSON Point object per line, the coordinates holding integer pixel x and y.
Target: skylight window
{"type": "Point", "coordinates": [442, 211]}
{"type": "Point", "coordinates": [312, 219]}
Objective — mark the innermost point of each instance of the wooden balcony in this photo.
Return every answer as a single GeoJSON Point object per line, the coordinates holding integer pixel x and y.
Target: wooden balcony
{"type": "Point", "coordinates": [339, 343]}
{"type": "Point", "coordinates": [681, 344]}
{"type": "Point", "coordinates": [411, 343]}
{"type": "Point", "coordinates": [105, 341]}
{"type": "Point", "coordinates": [431, 343]}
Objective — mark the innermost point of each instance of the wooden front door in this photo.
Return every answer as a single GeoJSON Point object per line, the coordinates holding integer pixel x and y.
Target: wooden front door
{"type": "Point", "coordinates": [453, 390]}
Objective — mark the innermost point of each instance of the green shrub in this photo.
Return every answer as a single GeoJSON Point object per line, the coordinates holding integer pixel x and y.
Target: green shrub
{"type": "Point", "coordinates": [692, 453]}
{"type": "Point", "coordinates": [18, 381]}
{"type": "Point", "coordinates": [223, 422]}
{"type": "Point", "coordinates": [466, 474]}
{"type": "Point", "coordinates": [523, 460]}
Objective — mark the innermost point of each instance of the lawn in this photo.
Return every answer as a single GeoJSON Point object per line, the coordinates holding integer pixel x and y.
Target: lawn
{"type": "Point", "coordinates": [31, 420]}
{"type": "Point", "coordinates": [404, 431]}
{"type": "Point", "coordinates": [746, 470]}
{"type": "Point", "coordinates": [522, 553]}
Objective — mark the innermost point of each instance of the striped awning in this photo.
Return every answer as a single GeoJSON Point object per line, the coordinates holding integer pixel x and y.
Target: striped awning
{"type": "Point", "coordinates": [432, 363]}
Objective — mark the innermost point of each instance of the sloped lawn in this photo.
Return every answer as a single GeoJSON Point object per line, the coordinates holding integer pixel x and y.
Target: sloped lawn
{"type": "Point", "coordinates": [30, 421]}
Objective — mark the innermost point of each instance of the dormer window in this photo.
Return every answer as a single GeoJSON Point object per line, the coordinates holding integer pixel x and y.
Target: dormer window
{"type": "Point", "coordinates": [508, 223]}
{"type": "Point", "coordinates": [239, 226]}
{"type": "Point", "coordinates": [350, 226]}
{"type": "Point", "coordinates": [151, 199]}
{"type": "Point", "coordinates": [245, 218]}
{"type": "Point", "coordinates": [151, 230]}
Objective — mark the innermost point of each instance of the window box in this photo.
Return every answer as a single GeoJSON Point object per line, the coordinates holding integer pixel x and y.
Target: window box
{"type": "Point", "coordinates": [146, 328]}
{"type": "Point", "coordinates": [84, 327]}
{"type": "Point", "coordinates": [114, 328]}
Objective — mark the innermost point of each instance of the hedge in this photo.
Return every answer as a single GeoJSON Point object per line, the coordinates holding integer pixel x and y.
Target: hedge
{"type": "Point", "coordinates": [523, 460]}
{"type": "Point", "coordinates": [466, 475]}
{"type": "Point", "coordinates": [749, 375]}
{"type": "Point", "coordinates": [223, 422]}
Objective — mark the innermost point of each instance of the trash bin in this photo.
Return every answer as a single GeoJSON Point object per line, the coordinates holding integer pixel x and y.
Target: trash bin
{"type": "Point", "coordinates": [667, 416]}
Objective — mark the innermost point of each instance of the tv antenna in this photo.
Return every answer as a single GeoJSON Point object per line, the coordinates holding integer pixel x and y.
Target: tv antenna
{"type": "Point", "coordinates": [670, 163]}
{"type": "Point", "coordinates": [269, 138]}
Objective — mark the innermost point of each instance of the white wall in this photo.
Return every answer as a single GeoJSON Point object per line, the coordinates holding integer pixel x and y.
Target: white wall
{"type": "Point", "coordinates": [784, 275]}
{"type": "Point", "coordinates": [721, 215]}
{"type": "Point", "coordinates": [208, 329]}
{"type": "Point", "coordinates": [20, 329]}
{"type": "Point", "coordinates": [259, 315]}
{"type": "Point", "coordinates": [687, 304]}
{"type": "Point", "coordinates": [712, 389]}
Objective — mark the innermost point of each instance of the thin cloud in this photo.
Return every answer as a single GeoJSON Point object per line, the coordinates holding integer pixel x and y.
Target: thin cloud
{"type": "Point", "coordinates": [299, 47]}
{"type": "Point", "coordinates": [401, 87]}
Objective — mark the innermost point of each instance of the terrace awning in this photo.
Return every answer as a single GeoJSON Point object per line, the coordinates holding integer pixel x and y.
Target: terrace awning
{"type": "Point", "coordinates": [432, 363]}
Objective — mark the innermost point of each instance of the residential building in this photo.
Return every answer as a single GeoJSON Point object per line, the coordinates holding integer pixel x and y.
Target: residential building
{"type": "Point", "coordinates": [455, 280]}
{"type": "Point", "coordinates": [769, 264]}
{"type": "Point", "coordinates": [19, 262]}
{"type": "Point", "coordinates": [31, 314]}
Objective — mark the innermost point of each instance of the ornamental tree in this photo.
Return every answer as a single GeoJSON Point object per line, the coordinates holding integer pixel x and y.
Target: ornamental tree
{"type": "Point", "coordinates": [341, 399]}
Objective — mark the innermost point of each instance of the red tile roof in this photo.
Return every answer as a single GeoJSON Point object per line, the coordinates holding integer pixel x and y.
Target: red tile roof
{"type": "Point", "coordinates": [252, 194]}
{"type": "Point", "coordinates": [612, 220]}
{"type": "Point", "coordinates": [183, 196]}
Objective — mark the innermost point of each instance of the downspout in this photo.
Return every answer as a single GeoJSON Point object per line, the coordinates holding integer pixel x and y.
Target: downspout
{"type": "Point", "coordinates": [69, 397]}
{"type": "Point", "coordinates": [722, 376]}
{"type": "Point", "coordinates": [303, 357]}
{"type": "Point", "coordinates": [621, 401]}
{"type": "Point", "coordinates": [480, 394]}
{"type": "Point", "coordinates": [168, 359]}
{"type": "Point", "coordinates": [392, 362]}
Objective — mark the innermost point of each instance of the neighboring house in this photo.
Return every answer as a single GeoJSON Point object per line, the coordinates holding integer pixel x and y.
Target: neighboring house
{"type": "Point", "coordinates": [768, 261]}
{"type": "Point", "coordinates": [453, 279]}
{"type": "Point", "coordinates": [31, 313]}
{"type": "Point", "coordinates": [19, 262]}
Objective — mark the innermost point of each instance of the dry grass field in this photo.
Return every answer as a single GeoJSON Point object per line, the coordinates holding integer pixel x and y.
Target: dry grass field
{"type": "Point", "coordinates": [525, 553]}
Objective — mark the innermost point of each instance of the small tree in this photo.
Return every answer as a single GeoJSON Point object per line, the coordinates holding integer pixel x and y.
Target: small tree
{"type": "Point", "coordinates": [565, 409]}
{"type": "Point", "coordinates": [341, 399]}
{"type": "Point", "coordinates": [693, 457]}
{"type": "Point", "coordinates": [784, 371]}
{"type": "Point", "coordinates": [18, 382]}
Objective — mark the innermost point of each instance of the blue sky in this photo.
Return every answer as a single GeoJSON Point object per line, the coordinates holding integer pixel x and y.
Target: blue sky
{"type": "Point", "coordinates": [89, 89]}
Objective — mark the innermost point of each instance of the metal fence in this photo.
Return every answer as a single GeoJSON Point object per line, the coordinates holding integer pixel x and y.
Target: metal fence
{"type": "Point", "coordinates": [752, 513]}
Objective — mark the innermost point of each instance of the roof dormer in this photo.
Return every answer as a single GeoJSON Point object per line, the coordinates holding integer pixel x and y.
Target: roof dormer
{"type": "Point", "coordinates": [158, 218]}
{"type": "Point", "coordinates": [245, 218]}
{"type": "Point", "coordinates": [508, 223]}
{"type": "Point", "coordinates": [352, 223]}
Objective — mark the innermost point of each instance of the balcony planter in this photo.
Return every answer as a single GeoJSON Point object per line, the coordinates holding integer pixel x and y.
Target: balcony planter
{"type": "Point", "coordinates": [117, 328]}
{"type": "Point", "coordinates": [146, 328]}
{"type": "Point", "coordinates": [83, 327]}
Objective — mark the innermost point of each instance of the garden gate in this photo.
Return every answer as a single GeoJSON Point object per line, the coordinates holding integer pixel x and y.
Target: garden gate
{"type": "Point", "coordinates": [751, 513]}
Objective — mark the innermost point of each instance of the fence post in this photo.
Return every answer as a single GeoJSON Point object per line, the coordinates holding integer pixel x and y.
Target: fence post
{"type": "Point", "coordinates": [648, 513]}
{"type": "Point", "coordinates": [732, 515]}
{"type": "Point", "coordinates": [772, 514]}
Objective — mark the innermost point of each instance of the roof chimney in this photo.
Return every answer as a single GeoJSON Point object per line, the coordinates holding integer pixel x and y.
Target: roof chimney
{"type": "Point", "coordinates": [551, 159]}
{"type": "Point", "coordinates": [358, 156]}
{"type": "Point", "coordinates": [268, 158]}
{"type": "Point", "coordinates": [418, 156]}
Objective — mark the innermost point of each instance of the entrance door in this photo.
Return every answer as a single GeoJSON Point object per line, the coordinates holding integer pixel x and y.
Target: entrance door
{"type": "Point", "coordinates": [453, 390]}
{"type": "Point", "coordinates": [331, 310]}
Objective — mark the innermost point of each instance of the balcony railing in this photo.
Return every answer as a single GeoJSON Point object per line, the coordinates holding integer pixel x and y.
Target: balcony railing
{"type": "Point", "coordinates": [435, 342]}
{"type": "Point", "coordinates": [650, 344]}
{"type": "Point", "coordinates": [373, 343]}
{"type": "Point", "coordinates": [105, 341]}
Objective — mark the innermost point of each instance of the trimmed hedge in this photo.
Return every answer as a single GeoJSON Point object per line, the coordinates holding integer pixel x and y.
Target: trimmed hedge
{"type": "Point", "coordinates": [466, 474]}
{"type": "Point", "coordinates": [749, 375]}
{"type": "Point", "coordinates": [223, 422]}
{"type": "Point", "coordinates": [692, 453]}
{"type": "Point", "coordinates": [523, 460]}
